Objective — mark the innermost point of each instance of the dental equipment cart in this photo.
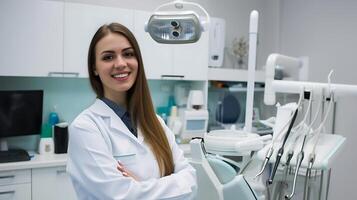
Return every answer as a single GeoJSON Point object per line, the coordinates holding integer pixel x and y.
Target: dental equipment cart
{"type": "Point", "coordinates": [311, 150]}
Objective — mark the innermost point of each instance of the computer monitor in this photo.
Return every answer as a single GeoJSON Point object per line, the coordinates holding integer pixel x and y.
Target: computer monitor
{"type": "Point", "coordinates": [20, 114]}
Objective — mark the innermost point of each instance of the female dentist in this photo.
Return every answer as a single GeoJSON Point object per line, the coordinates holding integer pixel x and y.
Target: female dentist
{"type": "Point", "coordinates": [119, 148]}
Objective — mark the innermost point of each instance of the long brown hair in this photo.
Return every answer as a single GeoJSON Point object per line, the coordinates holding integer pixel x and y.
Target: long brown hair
{"type": "Point", "coordinates": [139, 102]}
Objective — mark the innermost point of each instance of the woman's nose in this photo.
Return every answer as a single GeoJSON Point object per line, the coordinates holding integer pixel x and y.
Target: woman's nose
{"type": "Point", "coordinates": [119, 62]}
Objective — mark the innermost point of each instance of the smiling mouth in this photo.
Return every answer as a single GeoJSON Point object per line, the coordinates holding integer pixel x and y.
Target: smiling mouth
{"type": "Point", "coordinates": [120, 76]}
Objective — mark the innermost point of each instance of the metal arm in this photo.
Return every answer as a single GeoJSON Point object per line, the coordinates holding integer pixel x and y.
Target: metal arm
{"type": "Point", "coordinates": [273, 86]}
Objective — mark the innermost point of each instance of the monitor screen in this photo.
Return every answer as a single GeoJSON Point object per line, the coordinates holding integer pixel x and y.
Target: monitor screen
{"type": "Point", "coordinates": [20, 112]}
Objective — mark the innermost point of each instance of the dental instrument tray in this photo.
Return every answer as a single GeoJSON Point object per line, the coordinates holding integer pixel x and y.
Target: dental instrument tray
{"type": "Point", "coordinates": [328, 147]}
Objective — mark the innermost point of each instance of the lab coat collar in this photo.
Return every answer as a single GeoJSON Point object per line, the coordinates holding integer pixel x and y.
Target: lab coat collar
{"type": "Point", "coordinates": [102, 109]}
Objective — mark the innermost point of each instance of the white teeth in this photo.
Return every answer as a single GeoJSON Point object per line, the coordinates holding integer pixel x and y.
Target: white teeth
{"type": "Point", "coordinates": [121, 75]}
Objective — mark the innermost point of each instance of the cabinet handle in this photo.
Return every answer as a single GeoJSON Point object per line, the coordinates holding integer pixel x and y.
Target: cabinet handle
{"type": "Point", "coordinates": [9, 176]}
{"type": "Point", "coordinates": [74, 74]}
{"type": "Point", "coordinates": [61, 171]}
{"type": "Point", "coordinates": [7, 192]}
{"type": "Point", "coordinates": [172, 76]}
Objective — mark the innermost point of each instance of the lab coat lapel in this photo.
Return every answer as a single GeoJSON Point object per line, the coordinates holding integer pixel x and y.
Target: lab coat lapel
{"type": "Point", "coordinates": [100, 108]}
{"type": "Point", "coordinates": [140, 136]}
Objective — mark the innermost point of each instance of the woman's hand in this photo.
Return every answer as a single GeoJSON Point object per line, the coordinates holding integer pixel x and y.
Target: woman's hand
{"type": "Point", "coordinates": [126, 172]}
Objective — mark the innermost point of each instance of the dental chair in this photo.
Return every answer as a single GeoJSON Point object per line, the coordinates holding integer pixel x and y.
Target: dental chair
{"type": "Point", "coordinates": [217, 180]}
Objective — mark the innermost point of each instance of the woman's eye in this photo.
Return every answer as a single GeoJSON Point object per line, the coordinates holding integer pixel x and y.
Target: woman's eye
{"type": "Point", "coordinates": [108, 57]}
{"type": "Point", "coordinates": [129, 54]}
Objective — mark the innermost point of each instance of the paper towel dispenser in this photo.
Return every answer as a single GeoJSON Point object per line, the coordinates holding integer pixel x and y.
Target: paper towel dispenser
{"type": "Point", "coordinates": [216, 42]}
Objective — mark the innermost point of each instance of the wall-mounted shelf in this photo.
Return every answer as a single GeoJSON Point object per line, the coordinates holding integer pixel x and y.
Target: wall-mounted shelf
{"type": "Point", "coordinates": [226, 74]}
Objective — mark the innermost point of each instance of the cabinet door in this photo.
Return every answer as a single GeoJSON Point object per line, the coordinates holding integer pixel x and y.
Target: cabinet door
{"type": "Point", "coordinates": [191, 60]}
{"type": "Point", "coordinates": [52, 183]}
{"type": "Point", "coordinates": [157, 57]}
{"type": "Point", "coordinates": [81, 23]}
{"type": "Point", "coordinates": [31, 37]}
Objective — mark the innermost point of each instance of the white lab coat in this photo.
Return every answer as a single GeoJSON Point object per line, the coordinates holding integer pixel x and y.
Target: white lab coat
{"type": "Point", "coordinates": [99, 138]}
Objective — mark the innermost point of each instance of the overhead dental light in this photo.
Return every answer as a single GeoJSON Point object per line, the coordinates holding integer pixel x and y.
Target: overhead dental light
{"type": "Point", "coordinates": [177, 22]}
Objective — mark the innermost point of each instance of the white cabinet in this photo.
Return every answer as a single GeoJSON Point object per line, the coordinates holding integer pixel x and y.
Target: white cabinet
{"type": "Point", "coordinates": [31, 37]}
{"type": "Point", "coordinates": [42, 178]}
{"type": "Point", "coordinates": [15, 185]}
{"type": "Point", "coordinates": [182, 61]}
{"type": "Point", "coordinates": [80, 24]}
{"type": "Point", "coordinates": [51, 38]}
{"type": "Point", "coordinates": [52, 183]}
{"type": "Point", "coordinates": [191, 60]}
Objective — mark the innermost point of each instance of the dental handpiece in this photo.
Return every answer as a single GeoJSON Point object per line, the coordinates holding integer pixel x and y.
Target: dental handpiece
{"type": "Point", "coordinates": [308, 175]}
{"type": "Point", "coordinates": [300, 157]}
{"type": "Point", "coordinates": [283, 185]}
{"type": "Point", "coordinates": [269, 154]}
{"type": "Point", "coordinates": [267, 158]}
{"type": "Point", "coordinates": [289, 157]}
{"type": "Point", "coordinates": [281, 150]}
{"type": "Point", "coordinates": [299, 160]}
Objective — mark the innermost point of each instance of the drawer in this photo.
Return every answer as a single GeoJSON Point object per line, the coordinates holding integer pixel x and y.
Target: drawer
{"type": "Point", "coordinates": [16, 192]}
{"type": "Point", "coordinates": [52, 183]}
{"type": "Point", "coordinates": [15, 177]}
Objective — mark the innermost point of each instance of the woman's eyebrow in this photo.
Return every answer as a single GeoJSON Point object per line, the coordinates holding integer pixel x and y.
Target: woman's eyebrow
{"type": "Point", "coordinates": [107, 51]}
{"type": "Point", "coordinates": [112, 51]}
{"type": "Point", "coordinates": [128, 48]}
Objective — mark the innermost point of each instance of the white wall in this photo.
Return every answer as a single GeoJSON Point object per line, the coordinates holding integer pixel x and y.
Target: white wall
{"type": "Point", "coordinates": [326, 30]}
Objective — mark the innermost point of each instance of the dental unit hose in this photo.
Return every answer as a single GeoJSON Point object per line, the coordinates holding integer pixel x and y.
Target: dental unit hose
{"type": "Point", "coordinates": [301, 154]}
{"type": "Point", "coordinates": [300, 157]}
{"type": "Point", "coordinates": [281, 150]}
{"type": "Point", "coordinates": [300, 127]}
{"type": "Point", "coordinates": [312, 155]}
{"type": "Point", "coordinates": [282, 184]}
{"type": "Point", "coordinates": [271, 148]}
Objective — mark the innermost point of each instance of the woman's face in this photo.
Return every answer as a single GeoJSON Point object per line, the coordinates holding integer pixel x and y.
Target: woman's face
{"type": "Point", "coordinates": [116, 64]}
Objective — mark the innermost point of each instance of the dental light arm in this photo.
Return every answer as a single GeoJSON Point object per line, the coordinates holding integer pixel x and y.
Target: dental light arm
{"type": "Point", "coordinates": [272, 61]}
{"type": "Point", "coordinates": [273, 86]}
